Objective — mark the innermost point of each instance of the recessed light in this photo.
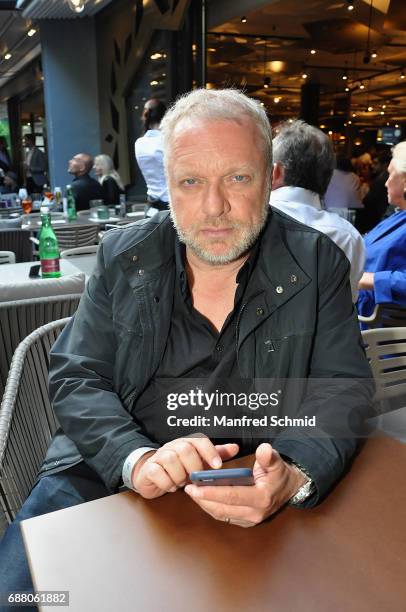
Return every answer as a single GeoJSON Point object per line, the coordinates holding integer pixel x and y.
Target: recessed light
{"type": "Point", "coordinates": [304, 76]}
{"type": "Point", "coordinates": [7, 56]}
{"type": "Point", "coordinates": [31, 32]}
{"type": "Point", "coordinates": [374, 54]}
{"type": "Point", "coordinates": [313, 51]}
{"type": "Point", "coordinates": [243, 19]}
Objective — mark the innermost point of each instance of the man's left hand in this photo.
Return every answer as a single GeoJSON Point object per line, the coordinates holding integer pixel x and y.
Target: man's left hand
{"type": "Point", "coordinates": [275, 483]}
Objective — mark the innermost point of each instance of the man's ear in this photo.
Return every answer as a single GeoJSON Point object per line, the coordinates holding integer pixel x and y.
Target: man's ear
{"type": "Point", "coordinates": [277, 176]}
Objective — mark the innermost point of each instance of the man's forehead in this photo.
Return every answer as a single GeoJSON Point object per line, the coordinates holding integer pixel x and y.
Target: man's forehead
{"type": "Point", "coordinates": [194, 124]}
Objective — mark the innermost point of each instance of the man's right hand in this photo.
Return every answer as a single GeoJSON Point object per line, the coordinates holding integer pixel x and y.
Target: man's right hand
{"type": "Point", "coordinates": [168, 468]}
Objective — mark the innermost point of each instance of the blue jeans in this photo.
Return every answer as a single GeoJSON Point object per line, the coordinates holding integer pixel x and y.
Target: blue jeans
{"type": "Point", "coordinates": [70, 487]}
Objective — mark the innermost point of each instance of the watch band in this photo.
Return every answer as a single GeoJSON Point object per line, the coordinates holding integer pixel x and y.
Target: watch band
{"type": "Point", "coordinates": [306, 490]}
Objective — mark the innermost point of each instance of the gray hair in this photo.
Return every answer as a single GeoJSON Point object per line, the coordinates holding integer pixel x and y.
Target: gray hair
{"type": "Point", "coordinates": [399, 157]}
{"type": "Point", "coordinates": [214, 105]}
{"type": "Point", "coordinates": [306, 155]}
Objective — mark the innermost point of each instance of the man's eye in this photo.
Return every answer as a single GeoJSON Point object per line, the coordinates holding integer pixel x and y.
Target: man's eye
{"type": "Point", "coordinates": [189, 181]}
{"type": "Point", "coordinates": [240, 178]}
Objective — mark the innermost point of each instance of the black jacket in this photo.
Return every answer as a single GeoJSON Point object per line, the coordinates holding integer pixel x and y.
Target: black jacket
{"type": "Point", "coordinates": [111, 348]}
{"type": "Point", "coordinates": [111, 191]}
{"type": "Point", "coordinates": [84, 189]}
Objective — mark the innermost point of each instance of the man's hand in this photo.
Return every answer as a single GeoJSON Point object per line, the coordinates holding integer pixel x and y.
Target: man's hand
{"type": "Point", "coordinates": [366, 281]}
{"type": "Point", "coordinates": [275, 483]}
{"type": "Point", "coordinates": [168, 468]}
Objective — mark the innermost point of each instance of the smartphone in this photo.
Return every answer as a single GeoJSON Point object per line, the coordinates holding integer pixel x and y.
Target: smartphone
{"type": "Point", "coordinates": [34, 271]}
{"type": "Point", "coordinates": [235, 477]}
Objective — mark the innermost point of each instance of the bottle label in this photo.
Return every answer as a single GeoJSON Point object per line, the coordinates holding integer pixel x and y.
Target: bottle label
{"type": "Point", "coordinates": [48, 266]}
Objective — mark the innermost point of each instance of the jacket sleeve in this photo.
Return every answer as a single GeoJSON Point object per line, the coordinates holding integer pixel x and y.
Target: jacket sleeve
{"type": "Point", "coordinates": [390, 287]}
{"type": "Point", "coordinates": [81, 385]}
{"type": "Point", "coordinates": [340, 386]}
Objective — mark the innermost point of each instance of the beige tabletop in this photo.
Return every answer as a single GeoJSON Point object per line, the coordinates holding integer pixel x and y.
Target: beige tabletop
{"type": "Point", "coordinates": [123, 553]}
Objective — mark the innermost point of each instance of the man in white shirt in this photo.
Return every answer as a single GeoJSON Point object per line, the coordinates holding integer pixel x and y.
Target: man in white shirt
{"type": "Point", "coordinates": [150, 157]}
{"type": "Point", "coordinates": [303, 166]}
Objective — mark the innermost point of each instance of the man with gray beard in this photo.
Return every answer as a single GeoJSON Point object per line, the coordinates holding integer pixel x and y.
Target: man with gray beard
{"type": "Point", "coordinates": [219, 288]}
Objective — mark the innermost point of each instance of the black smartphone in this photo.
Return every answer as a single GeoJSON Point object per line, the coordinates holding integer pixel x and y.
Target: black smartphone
{"type": "Point", "coordinates": [34, 271]}
{"type": "Point", "coordinates": [235, 477]}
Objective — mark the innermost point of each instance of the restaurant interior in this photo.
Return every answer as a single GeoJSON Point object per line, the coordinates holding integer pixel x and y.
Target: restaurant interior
{"type": "Point", "coordinates": [76, 77]}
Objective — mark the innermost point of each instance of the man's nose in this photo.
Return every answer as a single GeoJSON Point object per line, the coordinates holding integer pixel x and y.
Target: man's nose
{"type": "Point", "coordinates": [215, 202]}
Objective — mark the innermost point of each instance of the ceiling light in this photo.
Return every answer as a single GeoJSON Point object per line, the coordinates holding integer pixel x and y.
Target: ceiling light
{"type": "Point", "coordinates": [362, 86]}
{"type": "Point", "coordinates": [344, 77]}
{"type": "Point", "coordinates": [347, 89]}
{"type": "Point", "coordinates": [313, 51]}
{"type": "Point", "coordinates": [243, 19]}
{"type": "Point", "coordinates": [7, 56]}
{"type": "Point", "coordinates": [370, 108]}
{"type": "Point", "coordinates": [156, 56]}
{"type": "Point", "coordinates": [350, 6]}
{"type": "Point", "coordinates": [402, 74]}
{"type": "Point", "coordinates": [330, 133]}
{"type": "Point", "coordinates": [322, 126]}
{"type": "Point", "coordinates": [350, 122]}
{"type": "Point", "coordinates": [304, 76]}
{"type": "Point", "coordinates": [77, 6]}
{"type": "Point", "coordinates": [31, 32]}
{"type": "Point", "coordinates": [277, 99]}
{"type": "Point", "coordinates": [396, 125]}
{"type": "Point", "coordinates": [154, 83]}
{"type": "Point", "coordinates": [382, 112]}
{"type": "Point", "coordinates": [354, 115]}
{"type": "Point", "coordinates": [374, 54]}
{"type": "Point", "coordinates": [383, 105]}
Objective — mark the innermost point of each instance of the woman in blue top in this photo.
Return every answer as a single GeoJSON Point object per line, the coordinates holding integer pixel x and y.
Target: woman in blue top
{"type": "Point", "coordinates": [384, 279]}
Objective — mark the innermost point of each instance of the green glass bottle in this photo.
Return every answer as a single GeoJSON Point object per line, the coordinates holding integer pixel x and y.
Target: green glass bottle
{"type": "Point", "coordinates": [72, 214]}
{"type": "Point", "coordinates": [48, 249]}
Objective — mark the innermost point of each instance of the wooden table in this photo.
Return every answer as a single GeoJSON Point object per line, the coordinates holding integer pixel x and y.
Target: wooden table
{"type": "Point", "coordinates": [166, 555]}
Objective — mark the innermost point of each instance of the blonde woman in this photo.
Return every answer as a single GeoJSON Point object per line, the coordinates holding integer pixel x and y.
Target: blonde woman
{"type": "Point", "coordinates": [109, 179]}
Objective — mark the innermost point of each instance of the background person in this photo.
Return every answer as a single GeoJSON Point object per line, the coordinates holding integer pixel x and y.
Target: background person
{"type": "Point", "coordinates": [84, 187]}
{"type": "Point", "coordinates": [5, 160]}
{"type": "Point", "coordinates": [35, 165]}
{"type": "Point", "coordinates": [150, 157]}
{"type": "Point", "coordinates": [344, 188]}
{"type": "Point", "coordinates": [109, 179]}
{"type": "Point", "coordinates": [303, 166]}
{"type": "Point", "coordinates": [384, 279]}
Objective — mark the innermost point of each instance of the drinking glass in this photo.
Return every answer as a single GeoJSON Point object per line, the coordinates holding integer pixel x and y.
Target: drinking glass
{"type": "Point", "coordinates": [27, 205]}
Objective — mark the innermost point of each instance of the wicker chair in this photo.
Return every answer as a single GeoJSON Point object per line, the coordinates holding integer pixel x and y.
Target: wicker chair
{"type": "Point", "coordinates": [17, 241]}
{"type": "Point", "coordinates": [27, 421]}
{"type": "Point", "coordinates": [20, 318]}
{"type": "Point", "coordinates": [73, 236]}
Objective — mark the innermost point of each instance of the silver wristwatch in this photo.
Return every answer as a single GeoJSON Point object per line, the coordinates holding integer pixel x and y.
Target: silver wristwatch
{"type": "Point", "coordinates": [306, 490]}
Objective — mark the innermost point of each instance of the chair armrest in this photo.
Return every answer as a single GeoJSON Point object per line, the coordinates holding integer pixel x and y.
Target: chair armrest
{"type": "Point", "coordinates": [372, 317]}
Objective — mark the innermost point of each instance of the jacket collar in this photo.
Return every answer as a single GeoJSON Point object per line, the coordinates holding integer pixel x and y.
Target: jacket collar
{"type": "Point", "coordinates": [278, 272]}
